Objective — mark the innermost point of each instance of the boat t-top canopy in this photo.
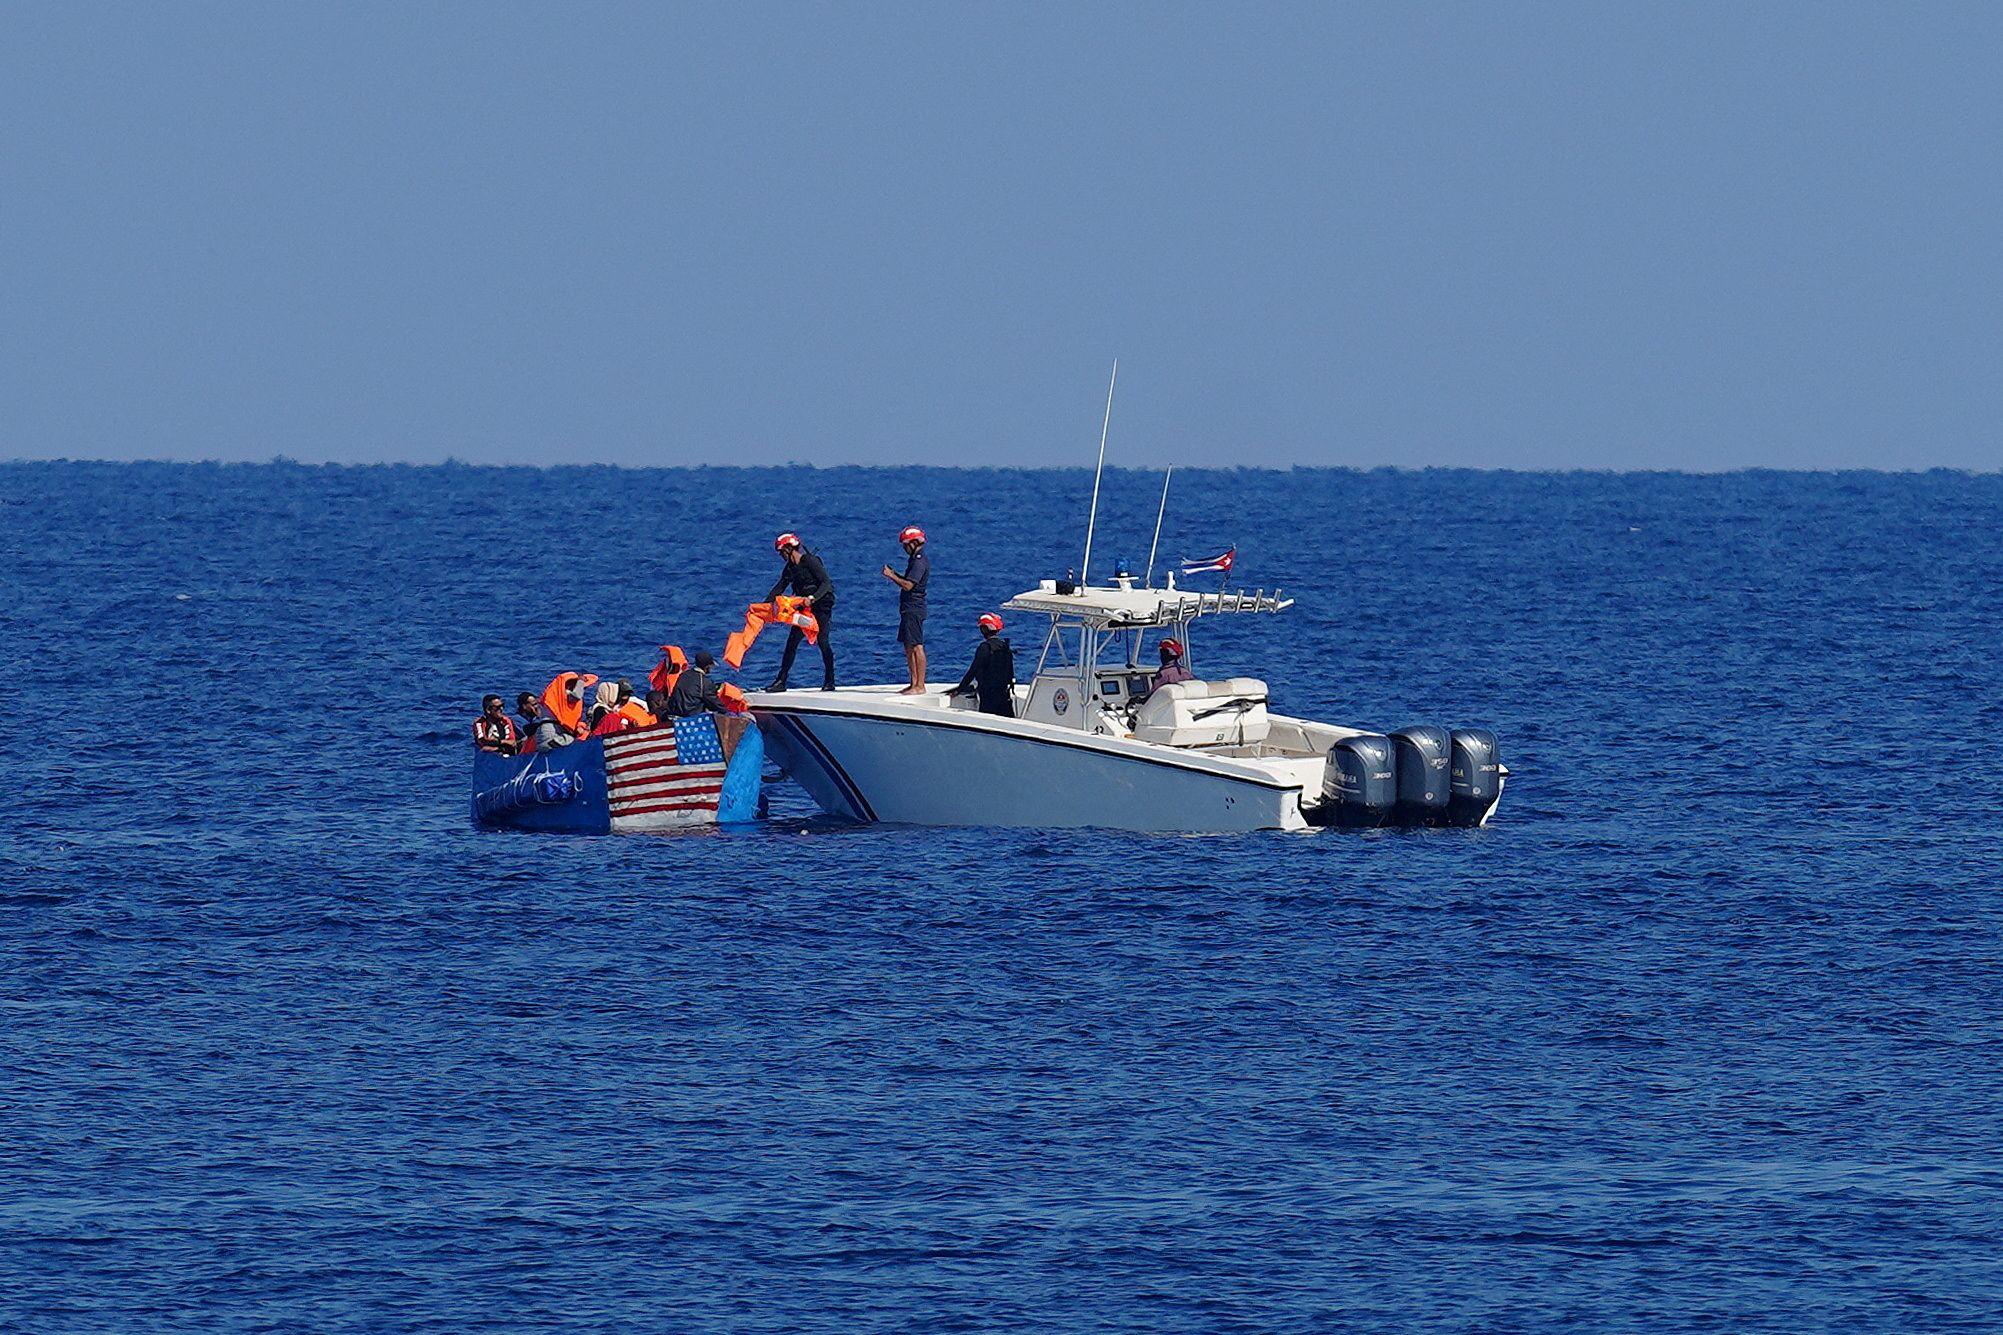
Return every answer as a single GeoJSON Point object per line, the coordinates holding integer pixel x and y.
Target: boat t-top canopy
{"type": "Point", "coordinates": [1123, 607]}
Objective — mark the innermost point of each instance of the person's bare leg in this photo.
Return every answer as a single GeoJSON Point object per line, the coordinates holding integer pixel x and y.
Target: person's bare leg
{"type": "Point", "coordinates": [914, 664]}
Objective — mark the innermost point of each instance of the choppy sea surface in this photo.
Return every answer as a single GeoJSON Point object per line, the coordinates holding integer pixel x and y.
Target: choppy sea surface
{"type": "Point", "coordinates": [1701, 1034]}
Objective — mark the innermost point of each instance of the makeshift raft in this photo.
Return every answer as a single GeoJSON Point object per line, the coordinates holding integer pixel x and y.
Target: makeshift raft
{"type": "Point", "coordinates": [679, 773]}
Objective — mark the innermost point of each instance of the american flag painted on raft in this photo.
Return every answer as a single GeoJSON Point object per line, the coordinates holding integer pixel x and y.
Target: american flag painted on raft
{"type": "Point", "coordinates": [665, 776]}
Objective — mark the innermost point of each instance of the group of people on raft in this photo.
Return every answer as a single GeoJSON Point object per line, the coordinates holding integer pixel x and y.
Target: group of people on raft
{"type": "Point", "coordinates": [577, 705]}
{"type": "Point", "coordinates": [682, 687]}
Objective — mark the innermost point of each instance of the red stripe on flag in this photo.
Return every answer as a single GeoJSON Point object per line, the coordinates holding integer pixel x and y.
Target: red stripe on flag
{"type": "Point", "coordinates": [628, 792]}
{"type": "Point", "coordinates": [655, 748]}
{"type": "Point", "coordinates": [709, 805]}
{"type": "Point", "coordinates": [649, 766]}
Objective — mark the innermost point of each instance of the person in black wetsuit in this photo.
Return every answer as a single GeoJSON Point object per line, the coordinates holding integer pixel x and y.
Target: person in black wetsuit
{"type": "Point", "coordinates": [807, 578]}
{"type": "Point", "coordinates": [911, 604]}
{"type": "Point", "coordinates": [992, 674]}
{"type": "Point", "coordinates": [694, 692]}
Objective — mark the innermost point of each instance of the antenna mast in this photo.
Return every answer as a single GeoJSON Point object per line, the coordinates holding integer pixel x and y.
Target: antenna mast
{"type": "Point", "coordinates": [1085, 569]}
{"type": "Point", "coordinates": [1158, 514]}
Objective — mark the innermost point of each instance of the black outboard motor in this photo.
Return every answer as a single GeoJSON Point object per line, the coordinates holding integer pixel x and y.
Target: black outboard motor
{"type": "Point", "coordinates": [1477, 776]}
{"type": "Point", "coordinates": [1359, 789]}
{"type": "Point", "coordinates": [1424, 784]}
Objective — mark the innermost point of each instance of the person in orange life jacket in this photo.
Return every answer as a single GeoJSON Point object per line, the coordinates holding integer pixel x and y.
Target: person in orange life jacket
{"type": "Point", "coordinates": [694, 692]}
{"type": "Point", "coordinates": [807, 578]}
{"type": "Point", "coordinates": [663, 678]}
{"type": "Point", "coordinates": [540, 732]}
{"type": "Point", "coordinates": [494, 731]}
{"type": "Point", "coordinates": [632, 709]}
{"type": "Point", "coordinates": [605, 718]}
{"type": "Point", "coordinates": [911, 604]}
{"type": "Point", "coordinates": [1172, 667]}
{"type": "Point", "coordinates": [992, 674]}
{"type": "Point", "coordinates": [563, 700]}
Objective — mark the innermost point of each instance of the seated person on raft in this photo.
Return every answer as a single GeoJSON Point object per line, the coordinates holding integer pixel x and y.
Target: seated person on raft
{"type": "Point", "coordinates": [694, 692]}
{"type": "Point", "coordinates": [604, 720]}
{"type": "Point", "coordinates": [540, 732]}
{"type": "Point", "coordinates": [494, 731]}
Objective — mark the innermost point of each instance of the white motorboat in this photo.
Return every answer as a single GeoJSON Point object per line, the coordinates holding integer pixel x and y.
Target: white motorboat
{"type": "Point", "coordinates": [1092, 745]}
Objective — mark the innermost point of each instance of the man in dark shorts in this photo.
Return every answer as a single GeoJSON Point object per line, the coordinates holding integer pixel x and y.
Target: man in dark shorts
{"type": "Point", "coordinates": [911, 604]}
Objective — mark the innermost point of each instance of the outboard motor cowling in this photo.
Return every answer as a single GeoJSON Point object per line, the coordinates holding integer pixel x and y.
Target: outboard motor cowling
{"type": "Point", "coordinates": [1424, 784]}
{"type": "Point", "coordinates": [1359, 787]}
{"type": "Point", "coordinates": [1476, 776]}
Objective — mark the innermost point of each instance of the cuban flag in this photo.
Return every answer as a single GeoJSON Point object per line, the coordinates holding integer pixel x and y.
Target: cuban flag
{"type": "Point", "coordinates": [1219, 563]}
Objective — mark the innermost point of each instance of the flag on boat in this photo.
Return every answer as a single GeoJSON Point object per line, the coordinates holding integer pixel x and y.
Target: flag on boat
{"type": "Point", "coordinates": [662, 777]}
{"type": "Point", "coordinates": [1219, 563]}
{"type": "Point", "coordinates": [784, 610]}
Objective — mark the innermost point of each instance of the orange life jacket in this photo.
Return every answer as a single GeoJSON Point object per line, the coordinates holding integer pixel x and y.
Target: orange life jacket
{"type": "Point", "coordinates": [557, 700]}
{"type": "Point", "coordinates": [669, 670]}
{"type": "Point", "coordinates": [637, 712]}
{"type": "Point", "coordinates": [784, 610]}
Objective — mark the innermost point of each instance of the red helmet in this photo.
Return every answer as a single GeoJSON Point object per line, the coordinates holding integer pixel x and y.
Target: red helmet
{"type": "Point", "coordinates": [989, 621]}
{"type": "Point", "coordinates": [785, 540]}
{"type": "Point", "coordinates": [1171, 645]}
{"type": "Point", "coordinates": [912, 533]}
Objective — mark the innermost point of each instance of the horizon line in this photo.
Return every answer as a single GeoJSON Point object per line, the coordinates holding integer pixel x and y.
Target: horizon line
{"type": "Point", "coordinates": [285, 461]}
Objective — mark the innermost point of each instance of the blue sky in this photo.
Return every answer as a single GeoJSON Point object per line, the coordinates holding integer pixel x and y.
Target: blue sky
{"type": "Point", "coordinates": [1528, 235]}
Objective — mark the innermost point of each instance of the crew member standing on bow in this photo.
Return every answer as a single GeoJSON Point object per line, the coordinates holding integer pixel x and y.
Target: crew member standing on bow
{"type": "Point", "coordinates": [807, 578]}
{"type": "Point", "coordinates": [992, 673]}
{"type": "Point", "coordinates": [911, 604]}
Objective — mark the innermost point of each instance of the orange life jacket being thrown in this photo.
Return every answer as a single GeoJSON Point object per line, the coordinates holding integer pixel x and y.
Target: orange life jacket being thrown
{"type": "Point", "coordinates": [733, 699]}
{"type": "Point", "coordinates": [784, 610]}
{"type": "Point", "coordinates": [556, 698]}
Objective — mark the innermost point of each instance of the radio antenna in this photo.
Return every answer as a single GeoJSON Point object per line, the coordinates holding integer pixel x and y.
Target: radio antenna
{"type": "Point", "coordinates": [1158, 514]}
{"type": "Point", "coordinates": [1085, 569]}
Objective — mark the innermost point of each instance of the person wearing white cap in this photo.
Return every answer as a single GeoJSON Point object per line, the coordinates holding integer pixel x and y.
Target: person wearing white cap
{"type": "Point", "coordinates": [911, 604]}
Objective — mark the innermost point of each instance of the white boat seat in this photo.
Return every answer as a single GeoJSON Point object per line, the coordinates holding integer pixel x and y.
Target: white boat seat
{"type": "Point", "coordinates": [1205, 713]}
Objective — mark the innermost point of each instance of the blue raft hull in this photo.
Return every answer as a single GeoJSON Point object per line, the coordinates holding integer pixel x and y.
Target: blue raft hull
{"type": "Point", "coordinates": [678, 774]}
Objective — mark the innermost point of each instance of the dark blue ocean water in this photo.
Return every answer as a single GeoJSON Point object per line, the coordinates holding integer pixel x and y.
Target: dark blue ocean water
{"type": "Point", "coordinates": [1702, 1034]}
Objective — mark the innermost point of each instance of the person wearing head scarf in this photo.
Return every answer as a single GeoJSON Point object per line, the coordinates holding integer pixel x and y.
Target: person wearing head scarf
{"type": "Point", "coordinates": [605, 718]}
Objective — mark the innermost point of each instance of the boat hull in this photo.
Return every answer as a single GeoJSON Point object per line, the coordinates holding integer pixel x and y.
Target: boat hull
{"type": "Point", "coordinates": [939, 767]}
{"type": "Point", "coordinates": [677, 774]}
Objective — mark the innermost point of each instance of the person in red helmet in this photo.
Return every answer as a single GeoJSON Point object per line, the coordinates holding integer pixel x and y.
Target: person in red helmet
{"type": "Point", "coordinates": [1173, 669]}
{"type": "Point", "coordinates": [808, 579]}
{"type": "Point", "coordinates": [911, 604]}
{"type": "Point", "coordinates": [992, 673]}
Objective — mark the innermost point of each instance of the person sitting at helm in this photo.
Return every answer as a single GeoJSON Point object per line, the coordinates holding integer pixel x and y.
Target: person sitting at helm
{"type": "Point", "coordinates": [1173, 669]}
{"type": "Point", "coordinates": [494, 731]}
{"type": "Point", "coordinates": [991, 676]}
{"type": "Point", "coordinates": [694, 692]}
